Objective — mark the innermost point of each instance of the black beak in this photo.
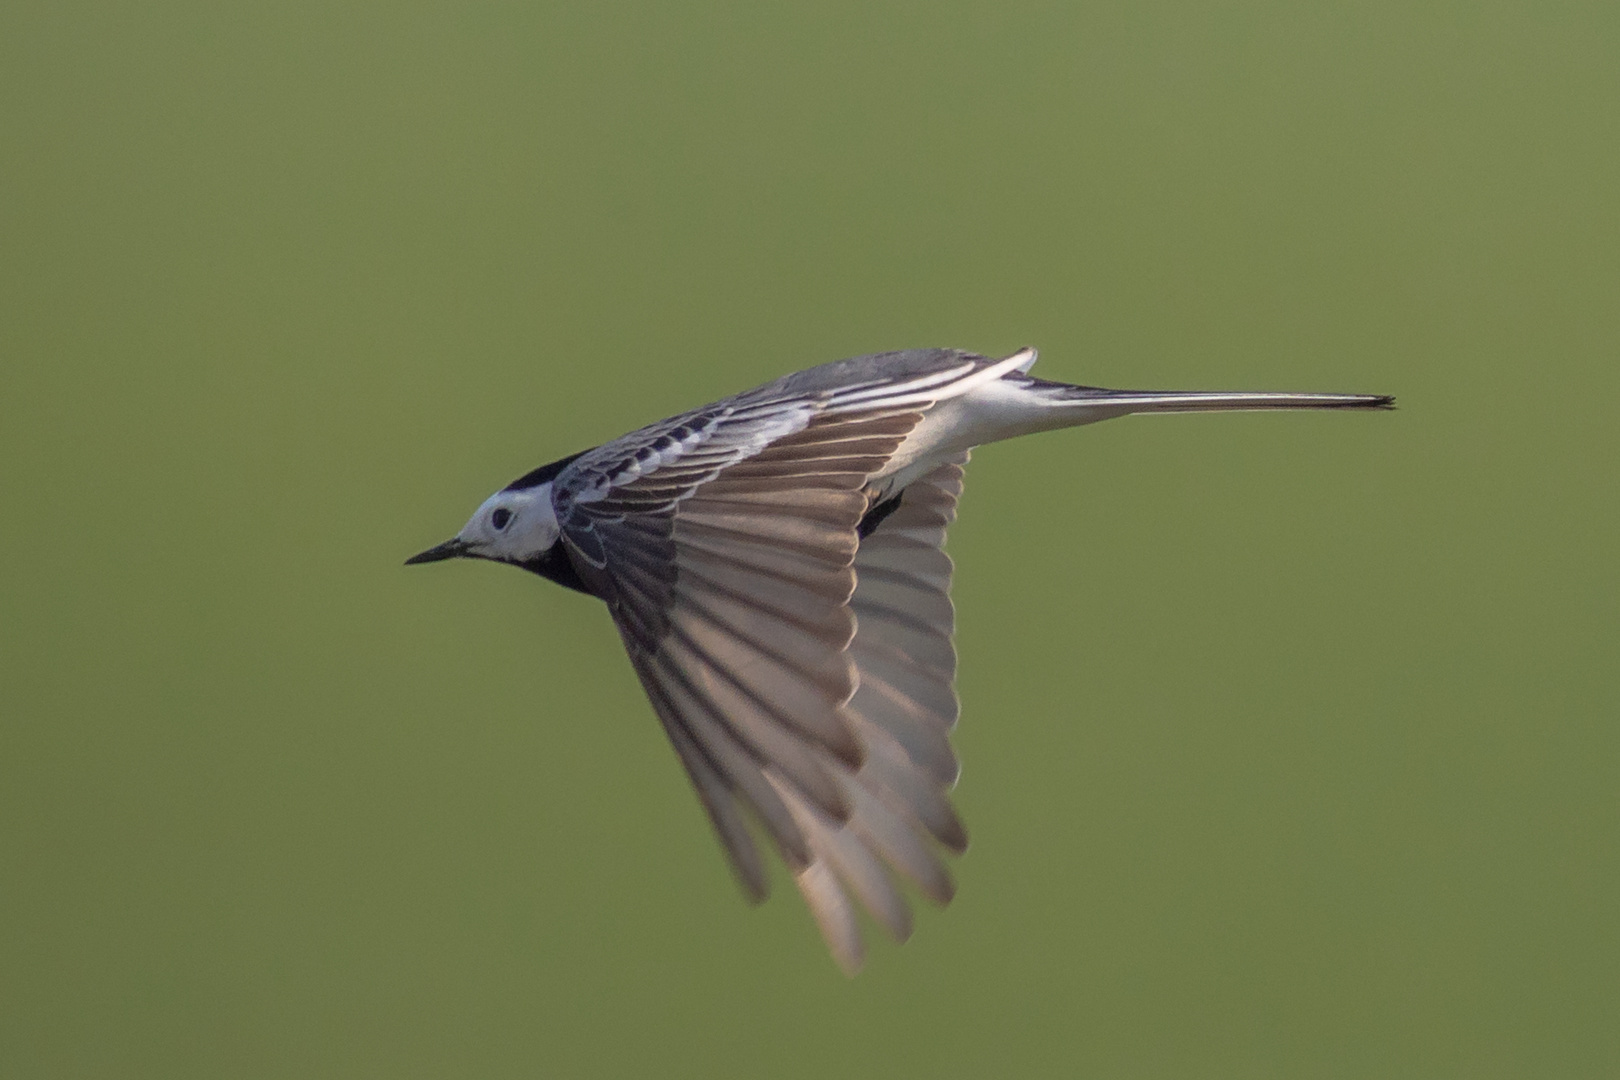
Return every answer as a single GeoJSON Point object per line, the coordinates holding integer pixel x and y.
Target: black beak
{"type": "Point", "coordinates": [450, 549]}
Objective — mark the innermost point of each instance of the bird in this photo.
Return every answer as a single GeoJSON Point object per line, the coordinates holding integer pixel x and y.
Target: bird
{"type": "Point", "coordinates": [774, 564]}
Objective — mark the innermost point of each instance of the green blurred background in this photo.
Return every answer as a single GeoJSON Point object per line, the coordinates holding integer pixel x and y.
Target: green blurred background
{"type": "Point", "coordinates": [1290, 740]}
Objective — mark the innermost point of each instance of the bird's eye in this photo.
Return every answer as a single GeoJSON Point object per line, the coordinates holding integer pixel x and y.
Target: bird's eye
{"type": "Point", "coordinates": [501, 518]}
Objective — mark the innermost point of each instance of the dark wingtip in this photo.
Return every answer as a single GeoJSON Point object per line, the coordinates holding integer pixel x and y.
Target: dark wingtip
{"type": "Point", "coordinates": [953, 835]}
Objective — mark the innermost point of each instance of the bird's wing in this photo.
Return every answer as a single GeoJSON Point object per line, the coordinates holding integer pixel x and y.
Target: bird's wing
{"type": "Point", "coordinates": [725, 544]}
{"type": "Point", "coordinates": [902, 712]}
{"type": "Point", "coordinates": [730, 589]}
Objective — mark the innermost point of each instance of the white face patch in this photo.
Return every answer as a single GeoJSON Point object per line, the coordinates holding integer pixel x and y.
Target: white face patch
{"type": "Point", "coordinates": [513, 525]}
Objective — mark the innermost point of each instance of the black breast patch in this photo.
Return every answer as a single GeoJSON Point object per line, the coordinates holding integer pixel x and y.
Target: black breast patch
{"type": "Point", "coordinates": [555, 565]}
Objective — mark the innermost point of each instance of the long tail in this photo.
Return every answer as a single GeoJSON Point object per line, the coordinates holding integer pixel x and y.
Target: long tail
{"type": "Point", "coordinates": [1107, 403]}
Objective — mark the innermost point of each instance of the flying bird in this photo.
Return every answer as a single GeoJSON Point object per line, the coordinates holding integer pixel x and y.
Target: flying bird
{"type": "Point", "coordinates": [775, 565]}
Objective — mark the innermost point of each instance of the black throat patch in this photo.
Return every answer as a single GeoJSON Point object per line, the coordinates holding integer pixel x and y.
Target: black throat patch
{"type": "Point", "coordinates": [554, 564]}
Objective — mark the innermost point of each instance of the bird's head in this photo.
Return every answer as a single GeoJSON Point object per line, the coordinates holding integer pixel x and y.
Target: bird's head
{"type": "Point", "coordinates": [514, 525]}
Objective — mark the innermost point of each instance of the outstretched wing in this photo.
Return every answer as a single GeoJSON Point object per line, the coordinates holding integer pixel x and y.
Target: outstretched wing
{"type": "Point", "coordinates": [732, 598]}
{"type": "Point", "coordinates": [902, 712]}
{"type": "Point", "coordinates": [726, 545]}
{"type": "Point", "coordinates": [755, 662]}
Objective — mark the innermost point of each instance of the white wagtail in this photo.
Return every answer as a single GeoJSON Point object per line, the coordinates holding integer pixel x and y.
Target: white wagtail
{"type": "Point", "coordinates": [774, 564]}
